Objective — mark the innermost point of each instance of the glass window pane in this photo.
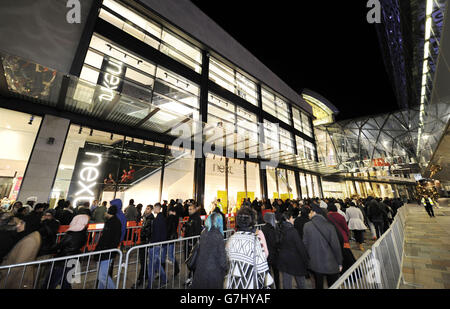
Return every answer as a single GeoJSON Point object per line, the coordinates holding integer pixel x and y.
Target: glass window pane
{"type": "Point", "coordinates": [233, 81]}
{"type": "Point", "coordinates": [272, 191]}
{"type": "Point", "coordinates": [253, 182]}
{"type": "Point", "coordinates": [292, 185]}
{"type": "Point", "coordinates": [236, 183]}
{"type": "Point", "coordinates": [179, 176]}
{"type": "Point", "coordinates": [303, 185]}
{"type": "Point", "coordinates": [311, 192]}
{"type": "Point", "coordinates": [150, 32]}
{"type": "Point", "coordinates": [18, 137]}
{"type": "Point", "coordinates": [215, 181]}
{"type": "Point", "coordinates": [282, 184]}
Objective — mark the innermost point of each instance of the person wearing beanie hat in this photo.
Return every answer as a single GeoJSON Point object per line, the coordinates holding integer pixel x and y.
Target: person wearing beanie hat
{"type": "Point", "coordinates": [110, 239]}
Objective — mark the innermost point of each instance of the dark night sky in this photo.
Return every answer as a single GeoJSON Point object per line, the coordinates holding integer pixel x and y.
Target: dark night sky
{"type": "Point", "coordinates": [326, 46]}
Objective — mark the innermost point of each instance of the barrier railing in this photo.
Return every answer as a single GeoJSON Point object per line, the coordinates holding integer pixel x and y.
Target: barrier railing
{"type": "Point", "coordinates": [51, 273]}
{"type": "Point", "coordinates": [380, 267]}
{"type": "Point", "coordinates": [98, 268]}
{"type": "Point", "coordinates": [150, 261]}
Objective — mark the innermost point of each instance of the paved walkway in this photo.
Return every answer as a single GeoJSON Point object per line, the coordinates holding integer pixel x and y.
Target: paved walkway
{"type": "Point", "coordinates": [426, 263]}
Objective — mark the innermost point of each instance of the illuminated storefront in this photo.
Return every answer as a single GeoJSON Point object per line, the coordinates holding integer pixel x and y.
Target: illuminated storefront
{"type": "Point", "coordinates": [136, 83]}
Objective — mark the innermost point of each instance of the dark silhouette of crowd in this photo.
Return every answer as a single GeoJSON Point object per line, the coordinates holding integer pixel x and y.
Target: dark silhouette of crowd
{"type": "Point", "coordinates": [298, 239]}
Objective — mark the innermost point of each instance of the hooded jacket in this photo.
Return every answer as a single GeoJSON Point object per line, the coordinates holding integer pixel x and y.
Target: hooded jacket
{"type": "Point", "coordinates": [121, 216]}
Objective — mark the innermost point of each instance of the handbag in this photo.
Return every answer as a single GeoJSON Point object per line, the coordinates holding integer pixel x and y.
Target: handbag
{"type": "Point", "coordinates": [191, 261]}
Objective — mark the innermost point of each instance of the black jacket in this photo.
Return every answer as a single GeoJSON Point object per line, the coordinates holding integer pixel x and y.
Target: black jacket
{"type": "Point", "coordinates": [172, 225]}
{"type": "Point", "coordinates": [375, 211]}
{"type": "Point", "coordinates": [293, 257]}
{"type": "Point", "coordinates": [146, 232]}
{"type": "Point", "coordinates": [110, 238]}
{"type": "Point", "coordinates": [32, 222]}
{"type": "Point", "coordinates": [71, 243]}
{"type": "Point", "coordinates": [299, 223]}
{"type": "Point", "coordinates": [211, 266]}
{"type": "Point", "coordinates": [66, 217]}
{"type": "Point", "coordinates": [159, 229]}
{"type": "Point", "coordinates": [271, 239]}
{"type": "Point", "coordinates": [194, 226]}
{"type": "Point", "coordinates": [8, 239]}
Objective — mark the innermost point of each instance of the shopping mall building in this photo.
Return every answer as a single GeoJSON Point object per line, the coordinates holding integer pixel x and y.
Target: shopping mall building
{"type": "Point", "coordinates": [97, 110]}
{"type": "Point", "coordinates": [152, 100]}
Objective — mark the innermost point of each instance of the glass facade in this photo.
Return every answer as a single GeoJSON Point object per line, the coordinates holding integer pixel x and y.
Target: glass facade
{"type": "Point", "coordinates": [151, 33]}
{"type": "Point", "coordinates": [276, 106]}
{"type": "Point", "coordinates": [151, 94]}
{"type": "Point", "coordinates": [101, 165]}
{"type": "Point", "coordinates": [18, 134]}
{"type": "Point", "coordinates": [233, 81]}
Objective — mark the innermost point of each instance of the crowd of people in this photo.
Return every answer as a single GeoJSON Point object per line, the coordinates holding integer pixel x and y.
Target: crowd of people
{"type": "Point", "coordinates": [299, 239]}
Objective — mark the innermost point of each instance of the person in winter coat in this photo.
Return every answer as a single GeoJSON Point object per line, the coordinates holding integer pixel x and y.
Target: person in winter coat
{"type": "Point", "coordinates": [157, 254]}
{"type": "Point", "coordinates": [26, 250]}
{"type": "Point", "coordinates": [11, 231]}
{"type": "Point", "coordinates": [98, 215]}
{"type": "Point", "coordinates": [355, 220]}
{"type": "Point", "coordinates": [301, 220]}
{"type": "Point", "coordinates": [146, 234]}
{"type": "Point", "coordinates": [193, 227]}
{"type": "Point", "coordinates": [293, 258]}
{"type": "Point", "coordinates": [211, 264]}
{"type": "Point", "coordinates": [48, 229]}
{"type": "Point", "coordinates": [67, 214]}
{"type": "Point", "coordinates": [71, 244]}
{"type": "Point", "coordinates": [271, 233]}
{"type": "Point", "coordinates": [247, 254]}
{"type": "Point", "coordinates": [172, 233]}
{"type": "Point", "coordinates": [131, 212]}
{"type": "Point", "coordinates": [342, 227]}
{"type": "Point", "coordinates": [121, 216]}
{"type": "Point", "coordinates": [376, 213]}
{"type": "Point", "coordinates": [323, 247]}
{"type": "Point", "coordinates": [33, 219]}
{"type": "Point", "coordinates": [110, 239]}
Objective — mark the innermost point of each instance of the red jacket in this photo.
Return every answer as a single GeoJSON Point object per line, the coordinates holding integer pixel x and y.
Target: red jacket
{"type": "Point", "coordinates": [341, 224]}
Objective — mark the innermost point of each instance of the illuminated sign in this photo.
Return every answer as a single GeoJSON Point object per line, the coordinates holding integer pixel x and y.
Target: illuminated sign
{"type": "Point", "coordinates": [110, 78]}
{"type": "Point", "coordinates": [87, 179]}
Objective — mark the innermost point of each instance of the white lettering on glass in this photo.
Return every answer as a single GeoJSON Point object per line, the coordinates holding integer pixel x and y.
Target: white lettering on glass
{"type": "Point", "coordinates": [88, 176]}
{"type": "Point", "coordinates": [111, 80]}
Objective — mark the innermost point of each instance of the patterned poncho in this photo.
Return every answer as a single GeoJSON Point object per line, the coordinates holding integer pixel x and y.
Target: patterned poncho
{"type": "Point", "coordinates": [241, 250]}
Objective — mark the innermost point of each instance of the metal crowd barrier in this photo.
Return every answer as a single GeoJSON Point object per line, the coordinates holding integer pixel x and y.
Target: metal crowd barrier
{"type": "Point", "coordinates": [81, 271]}
{"type": "Point", "coordinates": [151, 261]}
{"type": "Point", "coordinates": [381, 266]}
{"type": "Point", "coordinates": [67, 272]}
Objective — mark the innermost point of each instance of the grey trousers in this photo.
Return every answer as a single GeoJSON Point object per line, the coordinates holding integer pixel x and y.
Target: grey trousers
{"type": "Point", "coordinates": [287, 281]}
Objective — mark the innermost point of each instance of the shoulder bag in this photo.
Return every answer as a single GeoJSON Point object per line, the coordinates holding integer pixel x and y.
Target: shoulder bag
{"type": "Point", "coordinates": [326, 241]}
